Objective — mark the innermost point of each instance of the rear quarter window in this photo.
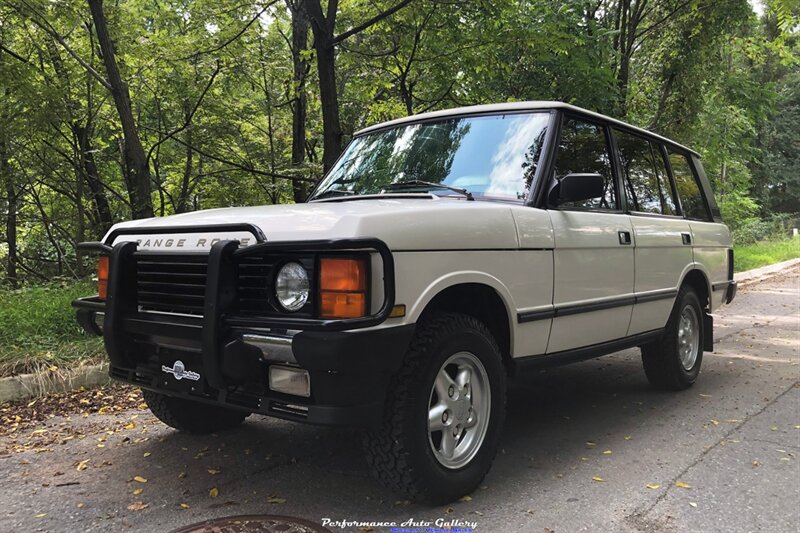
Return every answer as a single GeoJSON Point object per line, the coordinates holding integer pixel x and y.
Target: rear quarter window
{"type": "Point", "coordinates": [645, 177]}
{"type": "Point", "coordinates": [694, 206]}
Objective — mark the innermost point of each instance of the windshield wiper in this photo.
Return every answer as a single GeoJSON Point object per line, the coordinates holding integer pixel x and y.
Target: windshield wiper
{"type": "Point", "coordinates": [334, 192]}
{"type": "Point", "coordinates": [428, 184]}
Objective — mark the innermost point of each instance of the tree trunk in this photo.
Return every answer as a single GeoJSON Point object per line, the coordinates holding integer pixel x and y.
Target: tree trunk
{"type": "Point", "coordinates": [300, 104]}
{"type": "Point", "coordinates": [96, 188]}
{"type": "Point", "coordinates": [183, 195]}
{"type": "Point", "coordinates": [324, 46]}
{"type": "Point", "coordinates": [331, 128]}
{"type": "Point", "coordinates": [135, 165]}
{"type": "Point", "coordinates": [11, 217]}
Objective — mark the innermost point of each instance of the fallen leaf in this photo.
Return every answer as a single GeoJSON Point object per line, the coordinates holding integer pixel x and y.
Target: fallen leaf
{"type": "Point", "coordinates": [693, 504]}
{"type": "Point", "coordinates": [213, 472]}
{"type": "Point", "coordinates": [590, 443]}
{"type": "Point", "coordinates": [466, 498]}
{"type": "Point", "coordinates": [275, 499]}
{"type": "Point", "coordinates": [682, 485]}
{"type": "Point", "coordinates": [129, 426]}
{"type": "Point", "coordinates": [607, 452]}
{"type": "Point", "coordinates": [182, 475]}
{"type": "Point", "coordinates": [137, 492]}
{"type": "Point", "coordinates": [184, 506]}
{"type": "Point", "coordinates": [598, 478]}
{"type": "Point", "coordinates": [653, 486]}
{"type": "Point", "coordinates": [41, 515]}
{"type": "Point", "coordinates": [715, 422]}
{"type": "Point", "coordinates": [705, 396]}
{"type": "Point", "coordinates": [774, 428]}
{"type": "Point", "coordinates": [628, 437]}
{"type": "Point", "coordinates": [147, 454]}
{"type": "Point", "coordinates": [214, 492]}
{"type": "Point", "coordinates": [139, 479]}
{"type": "Point", "coordinates": [82, 465]}
{"type": "Point", "coordinates": [138, 506]}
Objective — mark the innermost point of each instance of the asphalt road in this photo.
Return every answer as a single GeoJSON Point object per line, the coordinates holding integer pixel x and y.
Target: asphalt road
{"type": "Point", "coordinates": [589, 447]}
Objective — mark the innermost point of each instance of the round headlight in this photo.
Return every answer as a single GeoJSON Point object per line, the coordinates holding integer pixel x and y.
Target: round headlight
{"type": "Point", "coordinates": [291, 286]}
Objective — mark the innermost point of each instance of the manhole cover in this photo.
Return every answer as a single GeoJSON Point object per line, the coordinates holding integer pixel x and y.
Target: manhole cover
{"type": "Point", "coordinates": [254, 524]}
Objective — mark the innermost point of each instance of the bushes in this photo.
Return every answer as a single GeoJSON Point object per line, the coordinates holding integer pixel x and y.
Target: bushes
{"type": "Point", "coordinates": [776, 227]}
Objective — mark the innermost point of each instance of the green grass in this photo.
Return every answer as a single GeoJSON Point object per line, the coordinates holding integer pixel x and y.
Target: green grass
{"type": "Point", "coordinates": [765, 253]}
{"type": "Point", "coordinates": [38, 328]}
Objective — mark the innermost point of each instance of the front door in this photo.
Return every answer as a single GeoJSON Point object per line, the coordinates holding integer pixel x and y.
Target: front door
{"type": "Point", "coordinates": [594, 246]}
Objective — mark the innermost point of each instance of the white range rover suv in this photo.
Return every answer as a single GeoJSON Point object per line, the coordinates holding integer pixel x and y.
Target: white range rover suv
{"type": "Point", "coordinates": [443, 254]}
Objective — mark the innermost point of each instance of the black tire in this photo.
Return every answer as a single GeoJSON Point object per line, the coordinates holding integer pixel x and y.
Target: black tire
{"type": "Point", "coordinates": [399, 451]}
{"type": "Point", "coordinates": [192, 417]}
{"type": "Point", "coordinates": [662, 359]}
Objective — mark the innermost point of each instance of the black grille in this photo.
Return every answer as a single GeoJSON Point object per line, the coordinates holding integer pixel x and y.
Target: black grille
{"type": "Point", "coordinates": [172, 283]}
{"type": "Point", "coordinates": [256, 284]}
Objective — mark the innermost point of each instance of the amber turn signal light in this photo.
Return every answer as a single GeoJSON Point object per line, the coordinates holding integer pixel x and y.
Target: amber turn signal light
{"type": "Point", "coordinates": [343, 287]}
{"type": "Point", "coordinates": [102, 276]}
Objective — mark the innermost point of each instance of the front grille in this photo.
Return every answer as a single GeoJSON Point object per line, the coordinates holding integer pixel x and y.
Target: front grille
{"type": "Point", "coordinates": [172, 283]}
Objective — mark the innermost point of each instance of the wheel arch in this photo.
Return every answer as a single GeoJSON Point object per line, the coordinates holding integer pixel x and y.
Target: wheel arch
{"type": "Point", "coordinates": [697, 278]}
{"type": "Point", "coordinates": [477, 295]}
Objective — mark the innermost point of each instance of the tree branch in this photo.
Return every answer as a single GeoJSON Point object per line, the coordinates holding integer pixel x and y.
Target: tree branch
{"type": "Point", "coordinates": [374, 20]}
{"type": "Point", "coordinates": [238, 166]}
{"type": "Point", "coordinates": [46, 27]}
{"type": "Point", "coordinates": [13, 54]}
{"type": "Point", "coordinates": [188, 120]}
{"type": "Point", "coordinates": [235, 37]}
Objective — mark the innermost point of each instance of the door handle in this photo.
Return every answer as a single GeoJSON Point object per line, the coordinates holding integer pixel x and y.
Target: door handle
{"type": "Point", "coordinates": [624, 237]}
{"type": "Point", "coordinates": [686, 238]}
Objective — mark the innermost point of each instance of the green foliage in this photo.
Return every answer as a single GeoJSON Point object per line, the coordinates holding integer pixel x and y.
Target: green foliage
{"type": "Point", "coordinates": [213, 91]}
{"type": "Point", "coordinates": [765, 253]}
{"type": "Point", "coordinates": [753, 230]}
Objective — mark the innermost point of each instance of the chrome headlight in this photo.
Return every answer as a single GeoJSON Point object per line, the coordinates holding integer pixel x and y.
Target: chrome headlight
{"type": "Point", "coordinates": [291, 286]}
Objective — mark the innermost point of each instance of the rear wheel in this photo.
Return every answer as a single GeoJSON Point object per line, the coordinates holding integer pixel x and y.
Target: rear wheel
{"type": "Point", "coordinates": [673, 363]}
{"type": "Point", "coordinates": [192, 417]}
{"type": "Point", "coordinates": [444, 412]}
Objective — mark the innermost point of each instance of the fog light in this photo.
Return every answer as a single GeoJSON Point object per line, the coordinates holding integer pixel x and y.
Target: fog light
{"type": "Point", "coordinates": [288, 380]}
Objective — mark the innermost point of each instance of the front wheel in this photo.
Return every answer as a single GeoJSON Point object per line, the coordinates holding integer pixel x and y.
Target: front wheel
{"type": "Point", "coordinates": [444, 412]}
{"type": "Point", "coordinates": [673, 363]}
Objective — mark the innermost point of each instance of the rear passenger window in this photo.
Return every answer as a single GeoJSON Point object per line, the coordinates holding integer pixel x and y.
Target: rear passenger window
{"type": "Point", "coordinates": [645, 177]}
{"type": "Point", "coordinates": [583, 148]}
{"type": "Point", "coordinates": [688, 191]}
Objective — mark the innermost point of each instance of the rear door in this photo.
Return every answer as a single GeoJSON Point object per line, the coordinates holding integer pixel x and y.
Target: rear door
{"type": "Point", "coordinates": [710, 238]}
{"type": "Point", "coordinates": [593, 257]}
{"type": "Point", "coordinates": [663, 238]}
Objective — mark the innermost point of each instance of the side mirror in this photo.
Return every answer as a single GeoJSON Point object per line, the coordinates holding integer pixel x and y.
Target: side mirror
{"type": "Point", "coordinates": [577, 187]}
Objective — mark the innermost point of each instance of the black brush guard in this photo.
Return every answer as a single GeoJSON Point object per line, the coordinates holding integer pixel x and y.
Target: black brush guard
{"type": "Point", "coordinates": [339, 358]}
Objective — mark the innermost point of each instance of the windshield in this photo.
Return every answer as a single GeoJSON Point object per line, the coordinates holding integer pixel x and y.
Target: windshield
{"type": "Point", "coordinates": [488, 156]}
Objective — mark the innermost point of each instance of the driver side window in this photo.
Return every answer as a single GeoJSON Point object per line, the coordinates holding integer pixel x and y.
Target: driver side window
{"type": "Point", "coordinates": [583, 148]}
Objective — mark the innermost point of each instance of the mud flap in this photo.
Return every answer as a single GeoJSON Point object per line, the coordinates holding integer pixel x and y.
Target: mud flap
{"type": "Point", "coordinates": [708, 333]}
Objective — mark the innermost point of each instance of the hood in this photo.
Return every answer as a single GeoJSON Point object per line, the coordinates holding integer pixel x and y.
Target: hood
{"type": "Point", "coordinates": [407, 223]}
